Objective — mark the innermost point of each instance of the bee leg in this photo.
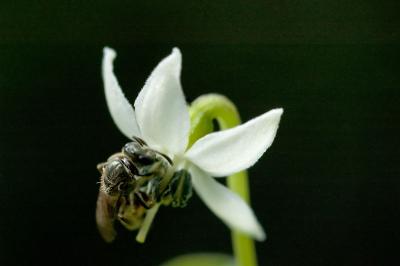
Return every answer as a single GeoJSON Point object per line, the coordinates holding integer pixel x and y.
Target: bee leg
{"type": "Point", "coordinates": [122, 211]}
{"type": "Point", "coordinates": [139, 140]}
{"type": "Point", "coordinates": [130, 214]}
{"type": "Point", "coordinates": [121, 208]}
{"type": "Point", "coordinates": [153, 189]}
{"type": "Point", "coordinates": [180, 188]}
{"type": "Point", "coordinates": [131, 198]}
{"type": "Point", "coordinates": [141, 199]}
{"type": "Point", "coordinates": [144, 200]}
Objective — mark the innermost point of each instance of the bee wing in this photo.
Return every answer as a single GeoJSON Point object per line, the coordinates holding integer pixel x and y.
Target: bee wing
{"type": "Point", "coordinates": [105, 216]}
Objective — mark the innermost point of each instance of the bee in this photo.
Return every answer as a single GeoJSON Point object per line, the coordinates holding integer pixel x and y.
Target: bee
{"type": "Point", "coordinates": [135, 180]}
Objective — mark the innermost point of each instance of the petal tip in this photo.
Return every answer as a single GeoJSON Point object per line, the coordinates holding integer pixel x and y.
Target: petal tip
{"type": "Point", "coordinates": [274, 114]}
{"type": "Point", "coordinates": [260, 234]}
{"type": "Point", "coordinates": [277, 111]}
{"type": "Point", "coordinates": [176, 55]}
{"type": "Point", "coordinates": [109, 52]}
{"type": "Point", "coordinates": [176, 51]}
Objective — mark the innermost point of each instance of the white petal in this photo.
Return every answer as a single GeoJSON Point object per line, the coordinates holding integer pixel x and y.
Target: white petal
{"type": "Point", "coordinates": [227, 205]}
{"type": "Point", "coordinates": [161, 109]}
{"type": "Point", "coordinates": [226, 152]}
{"type": "Point", "coordinates": [121, 110]}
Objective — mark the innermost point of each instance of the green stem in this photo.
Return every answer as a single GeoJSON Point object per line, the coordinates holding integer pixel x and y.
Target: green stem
{"type": "Point", "coordinates": [203, 111]}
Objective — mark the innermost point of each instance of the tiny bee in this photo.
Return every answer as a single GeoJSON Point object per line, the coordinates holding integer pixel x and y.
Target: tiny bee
{"type": "Point", "coordinates": [135, 180]}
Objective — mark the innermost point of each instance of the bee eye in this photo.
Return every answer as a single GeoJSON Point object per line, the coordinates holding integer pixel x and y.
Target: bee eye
{"type": "Point", "coordinates": [131, 148]}
{"type": "Point", "coordinates": [145, 159]}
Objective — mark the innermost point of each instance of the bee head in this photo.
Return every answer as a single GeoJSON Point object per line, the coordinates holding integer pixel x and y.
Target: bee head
{"type": "Point", "coordinates": [146, 160]}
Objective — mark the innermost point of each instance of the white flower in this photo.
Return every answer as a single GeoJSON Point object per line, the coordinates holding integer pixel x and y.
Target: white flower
{"type": "Point", "coordinates": [161, 118]}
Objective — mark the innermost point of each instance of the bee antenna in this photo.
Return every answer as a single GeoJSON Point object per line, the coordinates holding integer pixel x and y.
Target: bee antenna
{"type": "Point", "coordinates": [141, 142]}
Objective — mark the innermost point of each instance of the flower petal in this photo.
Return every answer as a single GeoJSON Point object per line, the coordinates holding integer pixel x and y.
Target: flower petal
{"type": "Point", "coordinates": [225, 204]}
{"type": "Point", "coordinates": [121, 110]}
{"type": "Point", "coordinates": [161, 108]}
{"type": "Point", "coordinates": [229, 151]}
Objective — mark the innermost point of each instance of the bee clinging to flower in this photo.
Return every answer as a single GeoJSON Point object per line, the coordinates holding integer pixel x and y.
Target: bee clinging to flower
{"type": "Point", "coordinates": [135, 180]}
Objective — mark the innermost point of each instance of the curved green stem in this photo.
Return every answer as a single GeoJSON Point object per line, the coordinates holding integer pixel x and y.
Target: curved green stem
{"type": "Point", "coordinates": [203, 112]}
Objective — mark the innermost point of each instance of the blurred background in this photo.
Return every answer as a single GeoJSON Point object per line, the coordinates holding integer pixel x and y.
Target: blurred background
{"type": "Point", "coordinates": [327, 191]}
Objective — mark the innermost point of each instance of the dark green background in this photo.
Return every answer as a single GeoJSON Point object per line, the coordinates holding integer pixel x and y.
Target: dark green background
{"type": "Point", "coordinates": [327, 191]}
